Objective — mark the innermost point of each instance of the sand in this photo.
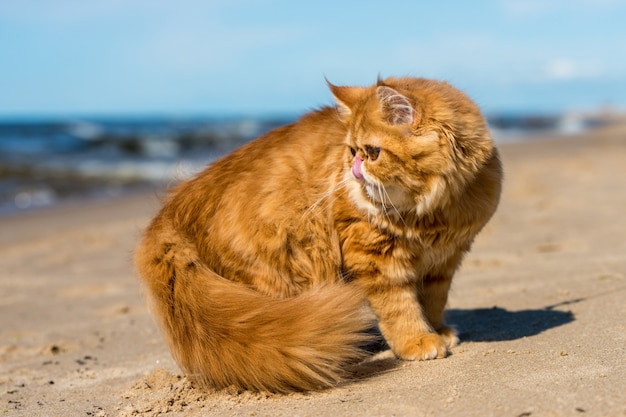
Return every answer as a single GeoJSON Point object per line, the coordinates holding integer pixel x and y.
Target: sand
{"type": "Point", "coordinates": [539, 304]}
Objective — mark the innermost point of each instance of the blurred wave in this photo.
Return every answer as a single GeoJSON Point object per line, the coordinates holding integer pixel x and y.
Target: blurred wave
{"type": "Point", "coordinates": [44, 162]}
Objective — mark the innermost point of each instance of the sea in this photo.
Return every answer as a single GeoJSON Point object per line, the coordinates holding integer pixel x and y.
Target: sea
{"type": "Point", "coordinates": [48, 162]}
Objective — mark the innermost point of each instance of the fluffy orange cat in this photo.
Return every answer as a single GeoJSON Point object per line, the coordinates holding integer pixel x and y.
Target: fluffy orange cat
{"type": "Point", "coordinates": [264, 269]}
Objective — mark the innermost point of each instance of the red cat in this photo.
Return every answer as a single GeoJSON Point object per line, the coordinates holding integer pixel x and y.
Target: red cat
{"type": "Point", "coordinates": [264, 269]}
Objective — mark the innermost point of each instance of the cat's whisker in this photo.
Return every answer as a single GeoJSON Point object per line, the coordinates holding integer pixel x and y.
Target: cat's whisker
{"type": "Point", "coordinates": [325, 195]}
{"type": "Point", "coordinates": [379, 188]}
{"type": "Point", "coordinates": [317, 202]}
{"type": "Point", "coordinates": [393, 206]}
{"type": "Point", "coordinates": [338, 195]}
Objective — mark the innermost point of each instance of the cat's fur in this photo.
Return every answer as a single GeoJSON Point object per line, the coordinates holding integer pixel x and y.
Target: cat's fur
{"type": "Point", "coordinates": [262, 270]}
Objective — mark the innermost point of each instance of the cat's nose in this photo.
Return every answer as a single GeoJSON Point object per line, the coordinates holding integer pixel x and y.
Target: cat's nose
{"type": "Point", "coordinates": [356, 168]}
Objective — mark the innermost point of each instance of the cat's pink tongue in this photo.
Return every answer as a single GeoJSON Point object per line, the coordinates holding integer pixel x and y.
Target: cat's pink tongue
{"type": "Point", "coordinates": [356, 168]}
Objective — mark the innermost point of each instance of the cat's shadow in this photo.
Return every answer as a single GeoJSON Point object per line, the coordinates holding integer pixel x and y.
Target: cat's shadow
{"type": "Point", "coordinates": [495, 324]}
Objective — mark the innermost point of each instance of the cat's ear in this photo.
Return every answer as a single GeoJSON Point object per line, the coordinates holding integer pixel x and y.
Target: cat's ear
{"type": "Point", "coordinates": [396, 108]}
{"type": "Point", "coordinates": [346, 98]}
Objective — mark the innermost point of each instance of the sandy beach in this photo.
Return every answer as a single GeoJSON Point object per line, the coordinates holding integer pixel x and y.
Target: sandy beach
{"type": "Point", "coordinates": [539, 305]}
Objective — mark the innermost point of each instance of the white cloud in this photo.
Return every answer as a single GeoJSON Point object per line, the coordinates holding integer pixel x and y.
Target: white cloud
{"type": "Point", "coordinates": [561, 69]}
{"type": "Point", "coordinates": [565, 69]}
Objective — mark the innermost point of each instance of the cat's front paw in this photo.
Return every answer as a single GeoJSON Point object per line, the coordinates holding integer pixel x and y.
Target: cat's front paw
{"type": "Point", "coordinates": [428, 346]}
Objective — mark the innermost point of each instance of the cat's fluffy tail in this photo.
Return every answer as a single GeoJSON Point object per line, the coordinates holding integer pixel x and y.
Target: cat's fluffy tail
{"type": "Point", "coordinates": [222, 333]}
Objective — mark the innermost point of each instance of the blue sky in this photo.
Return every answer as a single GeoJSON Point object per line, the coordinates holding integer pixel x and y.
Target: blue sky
{"type": "Point", "coordinates": [203, 57]}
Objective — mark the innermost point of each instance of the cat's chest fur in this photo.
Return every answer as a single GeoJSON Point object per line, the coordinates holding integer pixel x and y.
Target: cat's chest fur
{"type": "Point", "coordinates": [398, 254]}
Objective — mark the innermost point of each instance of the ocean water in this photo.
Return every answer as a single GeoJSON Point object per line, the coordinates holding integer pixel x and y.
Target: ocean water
{"type": "Point", "coordinates": [45, 162]}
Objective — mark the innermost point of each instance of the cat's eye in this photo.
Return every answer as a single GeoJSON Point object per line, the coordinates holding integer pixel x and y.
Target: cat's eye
{"type": "Point", "coordinates": [372, 152]}
{"type": "Point", "coordinates": [352, 151]}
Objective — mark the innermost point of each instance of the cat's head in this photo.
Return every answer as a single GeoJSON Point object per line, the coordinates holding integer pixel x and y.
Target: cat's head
{"type": "Point", "coordinates": [411, 143]}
